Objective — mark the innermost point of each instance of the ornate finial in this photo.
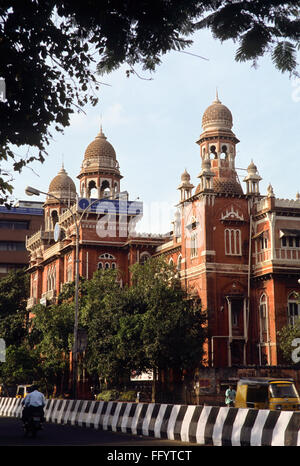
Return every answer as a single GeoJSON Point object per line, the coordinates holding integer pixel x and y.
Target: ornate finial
{"type": "Point", "coordinates": [270, 191]}
{"type": "Point", "coordinates": [101, 134]}
{"type": "Point", "coordinates": [217, 100]}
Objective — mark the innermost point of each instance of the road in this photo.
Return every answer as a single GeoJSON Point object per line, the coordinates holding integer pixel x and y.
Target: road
{"type": "Point", "coordinates": [11, 433]}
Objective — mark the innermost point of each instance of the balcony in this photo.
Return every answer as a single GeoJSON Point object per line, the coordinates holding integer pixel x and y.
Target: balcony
{"type": "Point", "coordinates": [280, 256]}
{"type": "Point", "coordinates": [288, 254]}
{"type": "Point", "coordinates": [37, 239]}
{"type": "Point", "coordinates": [31, 302]}
{"type": "Point", "coordinates": [48, 297]}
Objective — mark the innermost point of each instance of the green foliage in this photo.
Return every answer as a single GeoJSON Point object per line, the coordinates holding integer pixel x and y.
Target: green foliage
{"type": "Point", "coordinates": [129, 395]}
{"type": "Point", "coordinates": [113, 395]}
{"type": "Point", "coordinates": [52, 337]}
{"type": "Point", "coordinates": [151, 324]}
{"type": "Point", "coordinates": [14, 291]}
{"type": "Point", "coordinates": [285, 337]}
{"type": "Point", "coordinates": [108, 395]}
{"type": "Point", "coordinates": [21, 365]}
{"type": "Point", "coordinates": [19, 362]}
{"type": "Point", "coordinates": [259, 27]}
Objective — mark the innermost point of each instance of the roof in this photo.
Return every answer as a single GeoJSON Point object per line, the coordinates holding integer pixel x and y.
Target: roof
{"type": "Point", "coordinates": [262, 380]}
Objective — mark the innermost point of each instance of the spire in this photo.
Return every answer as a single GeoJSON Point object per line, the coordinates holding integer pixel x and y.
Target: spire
{"type": "Point", "coordinates": [217, 100]}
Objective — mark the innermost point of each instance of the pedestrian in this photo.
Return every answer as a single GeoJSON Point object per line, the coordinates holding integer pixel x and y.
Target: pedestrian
{"type": "Point", "coordinates": [230, 396]}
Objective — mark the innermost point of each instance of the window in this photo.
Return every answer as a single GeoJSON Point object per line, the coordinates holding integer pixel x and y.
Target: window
{"type": "Point", "coordinates": [51, 278]}
{"type": "Point", "coordinates": [263, 242]}
{"type": "Point", "coordinates": [69, 266]}
{"type": "Point", "coordinates": [293, 309]}
{"type": "Point", "coordinates": [144, 257]}
{"type": "Point", "coordinates": [194, 245]}
{"type": "Point", "coordinates": [263, 313]}
{"type": "Point", "coordinates": [14, 225]}
{"type": "Point", "coordinates": [290, 242]}
{"type": "Point", "coordinates": [12, 246]}
{"type": "Point", "coordinates": [179, 261]}
{"type": "Point", "coordinates": [233, 242]}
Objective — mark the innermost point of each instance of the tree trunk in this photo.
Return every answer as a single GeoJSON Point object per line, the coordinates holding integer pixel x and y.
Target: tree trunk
{"type": "Point", "coordinates": [153, 394]}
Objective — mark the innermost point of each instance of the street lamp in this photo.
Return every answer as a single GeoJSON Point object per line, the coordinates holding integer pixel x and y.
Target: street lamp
{"type": "Point", "coordinates": [36, 192]}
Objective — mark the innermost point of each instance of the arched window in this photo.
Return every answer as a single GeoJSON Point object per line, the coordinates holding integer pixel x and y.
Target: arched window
{"type": "Point", "coordinates": [293, 308]}
{"type": "Point", "coordinates": [105, 189]}
{"type": "Point", "coordinates": [263, 315]}
{"type": "Point", "coordinates": [194, 244]}
{"type": "Point", "coordinates": [179, 262]}
{"type": "Point", "coordinates": [92, 189]}
{"type": "Point", "coordinates": [233, 242]}
{"type": "Point", "coordinates": [54, 218]}
{"type": "Point", "coordinates": [69, 266]}
{"type": "Point", "coordinates": [144, 257]}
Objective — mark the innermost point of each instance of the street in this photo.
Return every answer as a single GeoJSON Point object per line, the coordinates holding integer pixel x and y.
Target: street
{"type": "Point", "coordinates": [11, 433]}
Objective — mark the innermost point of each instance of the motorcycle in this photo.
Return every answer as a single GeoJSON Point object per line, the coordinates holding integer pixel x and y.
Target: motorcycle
{"type": "Point", "coordinates": [33, 423]}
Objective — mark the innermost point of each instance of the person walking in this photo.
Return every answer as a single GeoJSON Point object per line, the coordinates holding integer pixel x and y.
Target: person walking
{"type": "Point", "coordinates": [230, 396]}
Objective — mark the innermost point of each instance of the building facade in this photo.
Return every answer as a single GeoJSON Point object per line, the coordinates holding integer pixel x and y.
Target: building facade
{"type": "Point", "coordinates": [236, 249]}
{"type": "Point", "coordinates": [16, 224]}
{"type": "Point", "coordinates": [106, 221]}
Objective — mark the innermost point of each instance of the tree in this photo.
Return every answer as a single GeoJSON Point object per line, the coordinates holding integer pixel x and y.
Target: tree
{"type": "Point", "coordinates": [50, 49]}
{"type": "Point", "coordinates": [259, 27]}
{"type": "Point", "coordinates": [285, 338]}
{"type": "Point", "coordinates": [14, 291]}
{"type": "Point", "coordinates": [20, 362]}
{"type": "Point", "coordinates": [150, 325]}
{"type": "Point", "coordinates": [51, 336]}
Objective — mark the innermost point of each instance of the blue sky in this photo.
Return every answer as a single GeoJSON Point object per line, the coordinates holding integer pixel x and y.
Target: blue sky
{"type": "Point", "coordinates": [154, 124]}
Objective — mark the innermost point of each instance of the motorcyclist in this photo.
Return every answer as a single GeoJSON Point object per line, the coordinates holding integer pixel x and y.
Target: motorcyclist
{"type": "Point", "coordinates": [33, 402]}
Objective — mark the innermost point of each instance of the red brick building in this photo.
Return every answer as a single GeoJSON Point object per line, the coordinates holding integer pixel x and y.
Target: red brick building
{"type": "Point", "coordinates": [236, 249]}
{"type": "Point", "coordinates": [106, 233]}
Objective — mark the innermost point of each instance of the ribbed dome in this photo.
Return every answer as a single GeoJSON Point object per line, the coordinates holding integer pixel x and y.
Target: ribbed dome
{"type": "Point", "coordinates": [227, 186]}
{"type": "Point", "coordinates": [62, 186]}
{"type": "Point", "coordinates": [100, 147]}
{"type": "Point", "coordinates": [217, 116]}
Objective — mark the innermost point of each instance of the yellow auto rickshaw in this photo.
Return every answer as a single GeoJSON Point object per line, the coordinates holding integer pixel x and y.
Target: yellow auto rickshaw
{"type": "Point", "coordinates": [23, 390]}
{"type": "Point", "coordinates": [267, 393]}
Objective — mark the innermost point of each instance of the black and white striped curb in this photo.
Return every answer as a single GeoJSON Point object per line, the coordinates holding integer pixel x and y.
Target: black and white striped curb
{"type": "Point", "coordinates": [202, 425]}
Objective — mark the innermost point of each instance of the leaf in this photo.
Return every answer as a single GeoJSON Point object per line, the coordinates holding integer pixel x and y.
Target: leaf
{"type": "Point", "coordinates": [284, 56]}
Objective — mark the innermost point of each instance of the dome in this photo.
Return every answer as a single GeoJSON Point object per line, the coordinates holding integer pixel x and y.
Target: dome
{"type": "Point", "coordinates": [185, 176]}
{"type": "Point", "coordinates": [252, 168]}
{"type": "Point", "coordinates": [62, 186]}
{"type": "Point", "coordinates": [217, 116]}
{"type": "Point", "coordinates": [100, 147]}
{"type": "Point", "coordinates": [226, 185]}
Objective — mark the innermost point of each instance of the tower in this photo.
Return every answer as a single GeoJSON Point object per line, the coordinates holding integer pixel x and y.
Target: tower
{"type": "Point", "coordinates": [252, 179]}
{"type": "Point", "coordinates": [64, 190]}
{"type": "Point", "coordinates": [185, 186]}
{"type": "Point", "coordinates": [100, 174]}
{"type": "Point", "coordinates": [218, 151]}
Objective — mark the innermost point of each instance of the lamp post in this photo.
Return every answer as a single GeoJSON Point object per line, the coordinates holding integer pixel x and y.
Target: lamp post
{"type": "Point", "coordinates": [36, 192]}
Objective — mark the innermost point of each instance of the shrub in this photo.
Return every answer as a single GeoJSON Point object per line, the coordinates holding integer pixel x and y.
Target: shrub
{"type": "Point", "coordinates": [108, 395]}
{"type": "Point", "coordinates": [130, 395]}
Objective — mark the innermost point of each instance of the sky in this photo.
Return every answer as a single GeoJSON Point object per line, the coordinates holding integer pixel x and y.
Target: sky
{"type": "Point", "coordinates": [154, 124]}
